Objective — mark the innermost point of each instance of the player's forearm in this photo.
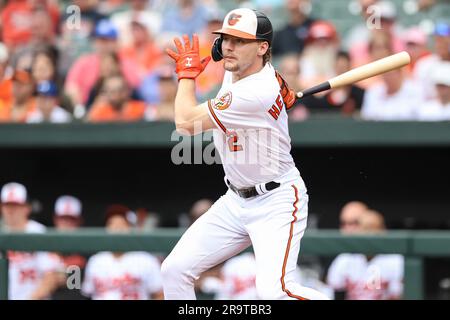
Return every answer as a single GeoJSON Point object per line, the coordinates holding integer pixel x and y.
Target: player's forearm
{"type": "Point", "coordinates": [185, 103]}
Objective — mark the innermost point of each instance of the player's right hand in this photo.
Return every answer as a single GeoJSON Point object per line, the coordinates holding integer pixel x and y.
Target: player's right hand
{"type": "Point", "coordinates": [287, 93]}
{"type": "Point", "coordinates": [188, 62]}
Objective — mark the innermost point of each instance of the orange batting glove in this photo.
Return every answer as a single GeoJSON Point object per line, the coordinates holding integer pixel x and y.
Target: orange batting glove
{"type": "Point", "coordinates": [287, 93]}
{"type": "Point", "coordinates": [189, 64]}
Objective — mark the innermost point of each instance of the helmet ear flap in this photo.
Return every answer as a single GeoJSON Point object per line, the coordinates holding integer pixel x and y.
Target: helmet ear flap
{"type": "Point", "coordinates": [216, 50]}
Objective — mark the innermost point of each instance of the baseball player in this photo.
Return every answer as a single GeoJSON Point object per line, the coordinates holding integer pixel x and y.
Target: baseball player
{"type": "Point", "coordinates": [266, 204]}
{"type": "Point", "coordinates": [362, 277]}
{"type": "Point", "coordinates": [122, 275]}
{"type": "Point", "coordinates": [32, 275]}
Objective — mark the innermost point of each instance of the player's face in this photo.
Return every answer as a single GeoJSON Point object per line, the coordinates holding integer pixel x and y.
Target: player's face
{"type": "Point", "coordinates": [117, 223]}
{"type": "Point", "coordinates": [15, 214]}
{"type": "Point", "coordinates": [240, 55]}
{"type": "Point", "coordinates": [67, 223]}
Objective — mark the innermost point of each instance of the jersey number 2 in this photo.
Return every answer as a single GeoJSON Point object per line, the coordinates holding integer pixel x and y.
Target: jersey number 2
{"type": "Point", "coordinates": [232, 142]}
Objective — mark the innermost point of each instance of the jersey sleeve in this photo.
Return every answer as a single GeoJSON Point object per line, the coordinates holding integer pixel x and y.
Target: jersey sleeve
{"type": "Point", "coordinates": [236, 109]}
{"type": "Point", "coordinates": [49, 262]}
{"type": "Point", "coordinates": [87, 288]}
{"type": "Point", "coordinates": [337, 273]}
{"type": "Point", "coordinates": [154, 279]}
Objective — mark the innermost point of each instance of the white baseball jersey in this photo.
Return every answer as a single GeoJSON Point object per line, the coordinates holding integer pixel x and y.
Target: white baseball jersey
{"type": "Point", "coordinates": [434, 110]}
{"type": "Point", "coordinates": [253, 136]}
{"type": "Point", "coordinates": [132, 276]}
{"type": "Point", "coordinates": [380, 278]}
{"type": "Point", "coordinates": [26, 269]}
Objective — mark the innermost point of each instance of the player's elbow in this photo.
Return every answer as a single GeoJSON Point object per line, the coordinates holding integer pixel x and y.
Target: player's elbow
{"type": "Point", "coordinates": [184, 128]}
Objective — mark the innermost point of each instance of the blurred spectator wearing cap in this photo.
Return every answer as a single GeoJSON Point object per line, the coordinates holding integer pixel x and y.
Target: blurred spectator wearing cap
{"type": "Point", "coordinates": [318, 58]}
{"type": "Point", "coordinates": [424, 67]}
{"type": "Point", "coordinates": [438, 109]}
{"type": "Point", "coordinates": [139, 11]}
{"type": "Point", "coordinates": [359, 33]}
{"type": "Point", "coordinates": [47, 108]}
{"type": "Point", "coordinates": [32, 275]}
{"type": "Point", "coordinates": [79, 82]}
{"type": "Point", "coordinates": [185, 17]}
{"type": "Point", "coordinates": [142, 49]}
{"type": "Point", "coordinates": [346, 100]}
{"type": "Point", "coordinates": [122, 275]}
{"type": "Point", "coordinates": [115, 103]}
{"type": "Point", "coordinates": [18, 20]}
{"type": "Point", "coordinates": [23, 101]}
{"type": "Point", "coordinates": [361, 277]}
{"type": "Point", "coordinates": [67, 218]}
{"type": "Point", "coordinates": [383, 19]}
{"type": "Point", "coordinates": [167, 89]}
{"type": "Point", "coordinates": [291, 38]}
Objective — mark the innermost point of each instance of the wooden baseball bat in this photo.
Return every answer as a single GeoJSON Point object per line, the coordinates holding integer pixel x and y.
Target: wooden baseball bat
{"type": "Point", "coordinates": [374, 68]}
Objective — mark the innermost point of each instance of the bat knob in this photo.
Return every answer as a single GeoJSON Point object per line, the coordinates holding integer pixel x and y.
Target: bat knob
{"type": "Point", "coordinates": [299, 94]}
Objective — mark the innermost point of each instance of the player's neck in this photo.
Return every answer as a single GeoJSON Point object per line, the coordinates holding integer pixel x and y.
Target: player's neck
{"type": "Point", "coordinates": [252, 69]}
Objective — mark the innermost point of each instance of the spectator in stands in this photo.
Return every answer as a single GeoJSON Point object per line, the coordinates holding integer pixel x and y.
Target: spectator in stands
{"type": "Point", "coordinates": [79, 82]}
{"type": "Point", "coordinates": [32, 275]}
{"type": "Point", "coordinates": [291, 38]}
{"type": "Point", "coordinates": [425, 65]}
{"type": "Point", "coordinates": [346, 101]}
{"type": "Point", "coordinates": [416, 45]}
{"type": "Point", "coordinates": [208, 82]}
{"type": "Point", "coordinates": [18, 20]}
{"type": "Point", "coordinates": [146, 221]}
{"type": "Point", "coordinates": [115, 103]}
{"type": "Point", "coordinates": [395, 98]}
{"type": "Point", "coordinates": [164, 110]}
{"type": "Point", "coordinates": [42, 28]}
{"type": "Point", "coordinates": [67, 218]}
{"type": "Point", "coordinates": [122, 275]}
{"type": "Point", "coordinates": [47, 108]}
{"type": "Point", "coordinates": [45, 68]}
{"type": "Point", "coordinates": [76, 31]}
{"type": "Point", "coordinates": [438, 109]}
{"type": "Point", "coordinates": [139, 11]}
{"type": "Point", "coordinates": [289, 69]}
{"type": "Point", "coordinates": [23, 101]}
{"type": "Point", "coordinates": [6, 95]}
{"type": "Point", "coordinates": [359, 33]}
{"type": "Point", "coordinates": [199, 208]}
{"type": "Point", "coordinates": [362, 277]}
{"type": "Point", "coordinates": [186, 17]}
{"type": "Point", "coordinates": [383, 20]}
{"type": "Point", "coordinates": [142, 49]}
{"type": "Point", "coordinates": [317, 62]}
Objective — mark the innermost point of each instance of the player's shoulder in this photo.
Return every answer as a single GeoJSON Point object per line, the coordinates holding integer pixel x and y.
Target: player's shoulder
{"type": "Point", "coordinates": [35, 227]}
{"type": "Point", "coordinates": [142, 256]}
{"type": "Point", "coordinates": [390, 259]}
{"type": "Point", "coordinates": [100, 257]}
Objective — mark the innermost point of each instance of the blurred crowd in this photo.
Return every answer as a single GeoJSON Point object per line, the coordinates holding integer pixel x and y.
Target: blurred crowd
{"type": "Point", "coordinates": [137, 275]}
{"type": "Point", "coordinates": [104, 60]}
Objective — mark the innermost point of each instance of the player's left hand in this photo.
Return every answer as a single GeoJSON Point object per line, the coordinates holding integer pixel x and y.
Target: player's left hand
{"type": "Point", "coordinates": [287, 93]}
{"type": "Point", "coordinates": [189, 64]}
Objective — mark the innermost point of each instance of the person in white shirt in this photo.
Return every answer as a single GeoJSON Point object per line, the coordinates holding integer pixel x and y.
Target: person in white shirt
{"type": "Point", "coordinates": [47, 108]}
{"type": "Point", "coordinates": [32, 275]}
{"type": "Point", "coordinates": [438, 109]}
{"type": "Point", "coordinates": [362, 277]}
{"type": "Point", "coordinates": [122, 275]}
{"type": "Point", "coordinates": [395, 99]}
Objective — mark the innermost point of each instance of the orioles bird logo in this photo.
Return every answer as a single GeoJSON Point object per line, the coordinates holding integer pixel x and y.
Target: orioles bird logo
{"type": "Point", "coordinates": [233, 19]}
{"type": "Point", "coordinates": [223, 102]}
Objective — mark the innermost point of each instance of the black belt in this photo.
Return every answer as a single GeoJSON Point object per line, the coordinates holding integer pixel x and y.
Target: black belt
{"type": "Point", "coordinates": [253, 191]}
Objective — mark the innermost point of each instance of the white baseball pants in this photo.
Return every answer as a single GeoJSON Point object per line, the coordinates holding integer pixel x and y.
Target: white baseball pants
{"type": "Point", "coordinates": [273, 223]}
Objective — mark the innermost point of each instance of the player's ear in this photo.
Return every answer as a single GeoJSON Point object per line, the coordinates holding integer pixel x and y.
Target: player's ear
{"type": "Point", "coordinates": [262, 48]}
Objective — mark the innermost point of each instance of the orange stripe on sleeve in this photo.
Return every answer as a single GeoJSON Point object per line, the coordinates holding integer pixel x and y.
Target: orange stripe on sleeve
{"type": "Point", "coordinates": [288, 249]}
{"type": "Point", "coordinates": [216, 119]}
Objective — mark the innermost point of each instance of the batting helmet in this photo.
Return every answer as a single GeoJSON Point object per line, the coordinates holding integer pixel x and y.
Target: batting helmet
{"type": "Point", "coordinates": [246, 24]}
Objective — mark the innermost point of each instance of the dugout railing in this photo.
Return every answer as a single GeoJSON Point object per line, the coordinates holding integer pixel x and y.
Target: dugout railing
{"type": "Point", "coordinates": [414, 245]}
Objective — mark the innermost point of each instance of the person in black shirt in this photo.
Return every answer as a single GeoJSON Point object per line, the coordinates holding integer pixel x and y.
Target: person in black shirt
{"type": "Point", "coordinates": [291, 38]}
